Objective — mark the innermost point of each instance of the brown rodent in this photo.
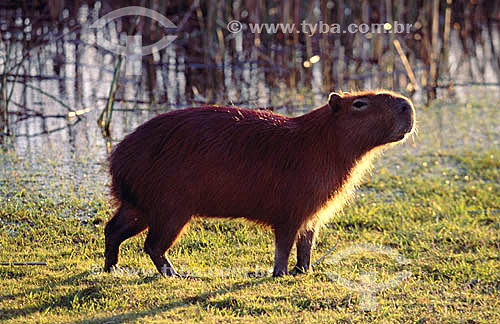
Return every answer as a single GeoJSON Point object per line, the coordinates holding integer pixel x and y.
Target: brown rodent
{"type": "Point", "coordinates": [290, 173]}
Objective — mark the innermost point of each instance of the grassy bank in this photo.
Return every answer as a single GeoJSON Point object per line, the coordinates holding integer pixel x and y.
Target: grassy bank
{"type": "Point", "coordinates": [435, 200]}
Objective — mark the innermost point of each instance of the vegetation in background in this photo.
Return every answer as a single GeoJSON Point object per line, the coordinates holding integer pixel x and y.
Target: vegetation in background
{"type": "Point", "coordinates": [452, 44]}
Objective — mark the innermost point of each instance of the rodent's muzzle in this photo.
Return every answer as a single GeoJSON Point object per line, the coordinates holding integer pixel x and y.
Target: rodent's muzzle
{"type": "Point", "coordinates": [405, 114]}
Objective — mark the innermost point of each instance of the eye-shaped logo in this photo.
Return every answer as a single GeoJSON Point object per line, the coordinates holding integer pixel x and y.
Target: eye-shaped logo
{"type": "Point", "coordinates": [367, 287]}
{"type": "Point", "coordinates": [133, 48]}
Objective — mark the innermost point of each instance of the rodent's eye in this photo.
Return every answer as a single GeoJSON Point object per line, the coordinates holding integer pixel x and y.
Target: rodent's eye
{"type": "Point", "coordinates": [359, 104]}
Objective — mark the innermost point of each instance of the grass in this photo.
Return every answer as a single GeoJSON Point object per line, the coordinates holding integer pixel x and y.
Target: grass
{"type": "Point", "coordinates": [434, 200]}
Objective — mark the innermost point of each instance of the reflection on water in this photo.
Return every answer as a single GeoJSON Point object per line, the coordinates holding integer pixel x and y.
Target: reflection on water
{"type": "Point", "coordinates": [61, 85]}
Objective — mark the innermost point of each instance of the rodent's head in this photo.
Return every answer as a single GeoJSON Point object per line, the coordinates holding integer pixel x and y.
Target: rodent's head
{"type": "Point", "coordinates": [373, 117]}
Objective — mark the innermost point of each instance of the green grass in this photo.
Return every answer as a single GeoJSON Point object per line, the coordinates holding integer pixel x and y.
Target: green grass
{"type": "Point", "coordinates": [434, 200]}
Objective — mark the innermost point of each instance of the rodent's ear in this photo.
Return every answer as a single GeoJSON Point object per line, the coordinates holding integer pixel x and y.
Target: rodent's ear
{"type": "Point", "coordinates": [334, 101]}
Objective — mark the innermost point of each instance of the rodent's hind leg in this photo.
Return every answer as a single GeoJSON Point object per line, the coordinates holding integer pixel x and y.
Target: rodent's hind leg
{"type": "Point", "coordinates": [126, 223]}
{"type": "Point", "coordinates": [160, 238]}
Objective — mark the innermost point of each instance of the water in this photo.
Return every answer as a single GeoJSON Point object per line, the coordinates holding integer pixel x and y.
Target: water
{"type": "Point", "coordinates": [63, 85]}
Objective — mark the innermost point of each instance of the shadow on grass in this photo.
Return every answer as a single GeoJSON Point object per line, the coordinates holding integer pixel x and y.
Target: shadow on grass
{"type": "Point", "coordinates": [132, 316]}
{"type": "Point", "coordinates": [66, 300]}
{"type": "Point", "coordinates": [67, 281]}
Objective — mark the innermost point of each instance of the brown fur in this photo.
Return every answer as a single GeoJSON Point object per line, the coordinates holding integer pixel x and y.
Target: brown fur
{"type": "Point", "coordinates": [290, 173]}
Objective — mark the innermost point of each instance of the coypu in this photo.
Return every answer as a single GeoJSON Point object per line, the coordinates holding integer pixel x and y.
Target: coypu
{"type": "Point", "coordinates": [290, 173]}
